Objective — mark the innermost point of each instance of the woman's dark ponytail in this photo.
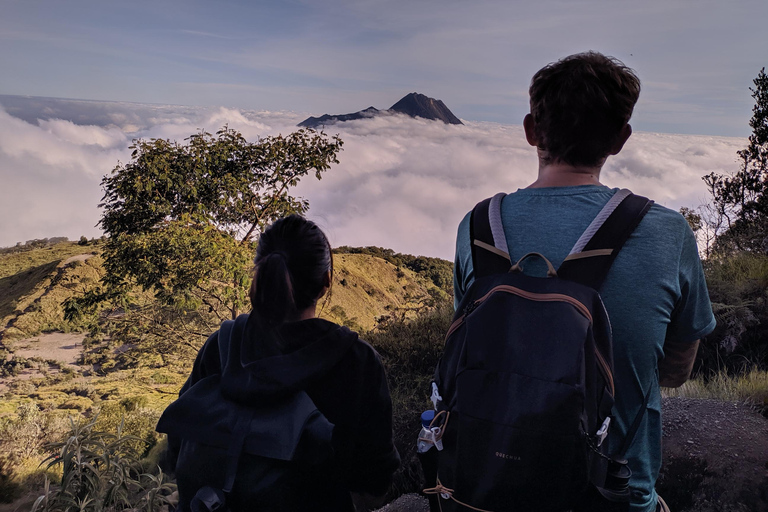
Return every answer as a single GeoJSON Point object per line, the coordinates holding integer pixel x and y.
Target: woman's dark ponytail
{"type": "Point", "coordinates": [292, 262]}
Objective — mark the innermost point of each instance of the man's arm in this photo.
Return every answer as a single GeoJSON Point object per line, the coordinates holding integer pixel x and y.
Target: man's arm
{"type": "Point", "coordinates": [677, 364]}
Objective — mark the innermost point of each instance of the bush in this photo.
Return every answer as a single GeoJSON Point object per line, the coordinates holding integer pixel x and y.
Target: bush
{"type": "Point", "coordinates": [101, 471]}
{"type": "Point", "coordinates": [738, 288]}
{"type": "Point", "coordinates": [133, 418]}
{"type": "Point", "coordinates": [9, 487]}
{"type": "Point", "coordinates": [410, 350]}
{"type": "Point", "coordinates": [23, 435]}
{"type": "Point", "coordinates": [21, 438]}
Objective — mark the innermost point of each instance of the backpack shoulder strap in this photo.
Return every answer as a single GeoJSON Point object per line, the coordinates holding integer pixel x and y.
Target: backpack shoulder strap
{"type": "Point", "coordinates": [590, 259]}
{"type": "Point", "coordinates": [230, 338]}
{"type": "Point", "coordinates": [488, 241]}
{"type": "Point", "coordinates": [228, 329]}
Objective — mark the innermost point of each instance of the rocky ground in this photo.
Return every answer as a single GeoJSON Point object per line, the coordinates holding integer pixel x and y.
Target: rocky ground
{"type": "Point", "coordinates": [715, 459]}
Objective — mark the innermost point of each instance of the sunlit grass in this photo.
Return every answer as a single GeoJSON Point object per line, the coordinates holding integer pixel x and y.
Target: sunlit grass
{"type": "Point", "coordinates": [749, 387]}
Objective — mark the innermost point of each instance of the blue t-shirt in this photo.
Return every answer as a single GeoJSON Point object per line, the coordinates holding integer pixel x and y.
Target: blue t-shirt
{"type": "Point", "coordinates": [654, 291]}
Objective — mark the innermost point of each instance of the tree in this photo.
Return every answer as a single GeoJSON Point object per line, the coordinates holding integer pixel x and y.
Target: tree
{"type": "Point", "coordinates": [182, 220]}
{"type": "Point", "coordinates": [742, 198]}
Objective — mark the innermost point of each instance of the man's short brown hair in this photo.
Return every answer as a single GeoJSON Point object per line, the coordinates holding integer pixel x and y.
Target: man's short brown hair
{"type": "Point", "coordinates": [579, 106]}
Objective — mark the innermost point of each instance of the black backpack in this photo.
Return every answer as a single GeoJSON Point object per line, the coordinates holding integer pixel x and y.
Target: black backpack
{"type": "Point", "coordinates": [237, 456]}
{"type": "Point", "coordinates": [525, 386]}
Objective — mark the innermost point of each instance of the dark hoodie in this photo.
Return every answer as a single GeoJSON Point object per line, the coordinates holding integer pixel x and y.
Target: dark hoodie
{"type": "Point", "coordinates": [342, 375]}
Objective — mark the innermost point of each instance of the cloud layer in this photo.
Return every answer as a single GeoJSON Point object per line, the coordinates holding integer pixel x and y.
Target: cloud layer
{"type": "Point", "coordinates": [402, 183]}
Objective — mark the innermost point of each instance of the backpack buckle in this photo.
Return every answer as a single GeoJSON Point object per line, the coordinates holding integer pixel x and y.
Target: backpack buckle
{"type": "Point", "coordinates": [602, 433]}
{"type": "Point", "coordinates": [435, 396]}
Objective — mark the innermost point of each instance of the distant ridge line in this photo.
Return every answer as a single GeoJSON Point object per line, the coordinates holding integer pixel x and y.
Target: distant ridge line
{"type": "Point", "coordinates": [413, 105]}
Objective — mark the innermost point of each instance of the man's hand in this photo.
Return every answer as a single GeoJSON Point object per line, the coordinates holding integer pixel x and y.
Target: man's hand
{"type": "Point", "coordinates": [677, 364]}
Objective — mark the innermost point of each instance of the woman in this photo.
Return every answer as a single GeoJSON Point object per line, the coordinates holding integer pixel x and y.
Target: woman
{"type": "Point", "coordinates": [281, 355]}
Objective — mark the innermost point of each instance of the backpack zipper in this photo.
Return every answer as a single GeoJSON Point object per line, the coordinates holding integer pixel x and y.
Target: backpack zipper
{"type": "Point", "coordinates": [541, 297]}
{"type": "Point", "coordinates": [606, 371]}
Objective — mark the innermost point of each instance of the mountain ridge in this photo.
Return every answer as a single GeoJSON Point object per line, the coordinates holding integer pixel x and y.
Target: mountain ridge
{"type": "Point", "coordinates": [413, 105]}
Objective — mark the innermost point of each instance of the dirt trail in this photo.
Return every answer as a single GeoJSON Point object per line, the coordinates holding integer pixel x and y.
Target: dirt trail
{"type": "Point", "coordinates": [64, 348]}
{"type": "Point", "coordinates": [77, 257]}
{"type": "Point", "coordinates": [59, 346]}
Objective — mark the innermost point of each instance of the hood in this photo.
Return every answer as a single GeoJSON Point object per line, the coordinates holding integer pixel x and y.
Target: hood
{"type": "Point", "coordinates": [262, 362]}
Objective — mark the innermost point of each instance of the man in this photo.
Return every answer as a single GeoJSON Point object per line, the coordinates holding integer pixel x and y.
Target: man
{"type": "Point", "coordinates": [655, 292]}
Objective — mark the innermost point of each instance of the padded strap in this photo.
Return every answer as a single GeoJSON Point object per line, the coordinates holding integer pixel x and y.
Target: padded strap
{"type": "Point", "coordinates": [497, 228]}
{"type": "Point", "coordinates": [487, 239]}
{"type": "Point", "coordinates": [622, 453]}
{"type": "Point", "coordinates": [594, 252]}
{"type": "Point", "coordinates": [225, 335]}
{"type": "Point", "coordinates": [230, 338]}
{"type": "Point", "coordinates": [599, 220]}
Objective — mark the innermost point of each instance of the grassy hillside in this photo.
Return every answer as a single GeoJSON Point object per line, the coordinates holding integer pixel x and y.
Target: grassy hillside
{"type": "Point", "coordinates": [34, 283]}
{"type": "Point", "coordinates": [367, 288]}
{"type": "Point", "coordinates": [41, 392]}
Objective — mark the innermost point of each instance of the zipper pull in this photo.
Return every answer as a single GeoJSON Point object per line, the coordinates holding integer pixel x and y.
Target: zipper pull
{"type": "Point", "coordinates": [470, 308]}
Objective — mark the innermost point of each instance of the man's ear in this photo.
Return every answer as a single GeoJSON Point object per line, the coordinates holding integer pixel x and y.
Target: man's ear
{"type": "Point", "coordinates": [626, 131]}
{"type": "Point", "coordinates": [530, 130]}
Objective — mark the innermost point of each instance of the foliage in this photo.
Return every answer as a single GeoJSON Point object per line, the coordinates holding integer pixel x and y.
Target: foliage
{"type": "Point", "coordinates": [237, 186]}
{"type": "Point", "coordinates": [22, 436]}
{"type": "Point", "coordinates": [186, 265]}
{"type": "Point", "coordinates": [410, 349]}
{"type": "Point", "coordinates": [101, 471]}
{"type": "Point", "coordinates": [738, 288]}
{"type": "Point", "coordinates": [742, 198]}
{"type": "Point", "coordinates": [182, 220]}
{"type": "Point", "coordinates": [132, 416]}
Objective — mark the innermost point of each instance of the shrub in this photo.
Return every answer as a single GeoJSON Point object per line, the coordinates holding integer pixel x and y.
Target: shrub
{"type": "Point", "coordinates": [101, 471]}
{"type": "Point", "coordinates": [21, 438]}
{"type": "Point", "coordinates": [738, 287]}
{"type": "Point", "coordinates": [23, 435]}
{"type": "Point", "coordinates": [133, 418]}
{"type": "Point", "coordinates": [9, 487]}
{"type": "Point", "coordinates": [410, 350]}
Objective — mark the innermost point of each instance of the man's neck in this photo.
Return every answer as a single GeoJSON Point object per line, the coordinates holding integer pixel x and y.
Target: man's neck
{"type": "Point", "coordinates": [565, 175]}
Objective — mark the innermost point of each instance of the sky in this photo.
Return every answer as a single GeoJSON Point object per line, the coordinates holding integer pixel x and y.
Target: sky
{"type": "Point", "coordinates": [168, 69]}
{"type": "Point", "coordinates": [696, 58]}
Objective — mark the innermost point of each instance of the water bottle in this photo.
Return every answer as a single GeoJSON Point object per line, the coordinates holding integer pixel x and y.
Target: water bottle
{"type": "Point", "coordinates": [427, 456]}
{"type": "Point", "coordinates": [429, 436]}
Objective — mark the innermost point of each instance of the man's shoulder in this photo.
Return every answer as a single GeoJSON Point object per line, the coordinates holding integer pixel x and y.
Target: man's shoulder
{"type": "Point", "coordinates": [663, 215]}
{"type": "Point", "coordinates": [665, 226]}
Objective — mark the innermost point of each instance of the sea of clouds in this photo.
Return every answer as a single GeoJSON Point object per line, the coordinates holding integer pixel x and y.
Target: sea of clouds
{"type": "Point", "coordinates": [401, 183]}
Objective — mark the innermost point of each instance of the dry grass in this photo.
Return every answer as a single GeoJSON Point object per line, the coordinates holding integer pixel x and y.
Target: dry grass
{"type": "Point", "coordinates": [366, 288]}
{"type": "Point", "coordinates": [33, 285]}
{"type": "Point", "coordinates": [750, 387]}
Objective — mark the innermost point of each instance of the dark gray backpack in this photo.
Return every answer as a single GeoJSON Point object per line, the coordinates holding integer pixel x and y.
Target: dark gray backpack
{"type": "Point", "coordinates": [525, 385]}
{"type": "Point", "coordinates": [237, 456]}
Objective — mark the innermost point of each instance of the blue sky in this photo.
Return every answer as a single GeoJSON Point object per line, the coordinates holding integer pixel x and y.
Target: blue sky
{"type": "Point", "coordinates": [696, 58]}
